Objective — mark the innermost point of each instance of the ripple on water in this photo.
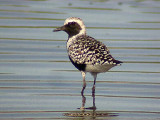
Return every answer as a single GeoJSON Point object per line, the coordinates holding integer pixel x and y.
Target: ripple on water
{"type": "Point", "coordinates": [37, 80]}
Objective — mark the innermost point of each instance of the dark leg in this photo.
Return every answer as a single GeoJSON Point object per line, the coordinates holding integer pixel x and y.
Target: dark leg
{"type": "Point", "coordinates": [83, 102]}
{"type": "Point", "coordinates": [84, 82]}
{"type": "Point", "coordinates": [94, 106]}
{"type": "Point", "coordinates": [94, 84]}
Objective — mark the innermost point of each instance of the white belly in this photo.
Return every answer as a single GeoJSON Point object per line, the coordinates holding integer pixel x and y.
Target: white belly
{"type": "Point", "coordinates": [98, 68]}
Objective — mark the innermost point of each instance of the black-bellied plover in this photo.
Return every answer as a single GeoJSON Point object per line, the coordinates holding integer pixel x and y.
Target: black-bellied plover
{"type": "Point", "coordinates": [86, 53]}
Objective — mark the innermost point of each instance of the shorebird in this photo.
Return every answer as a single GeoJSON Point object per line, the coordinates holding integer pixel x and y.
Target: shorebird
{"type": "Point", "coordinates": [86, 53]}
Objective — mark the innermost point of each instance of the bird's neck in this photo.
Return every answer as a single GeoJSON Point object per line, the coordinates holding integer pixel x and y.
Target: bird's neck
{"type": "Point", "coordinates": [71, 39]}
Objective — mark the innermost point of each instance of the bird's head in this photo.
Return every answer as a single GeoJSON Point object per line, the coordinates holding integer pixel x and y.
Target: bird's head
{"type": "Point", "coordinates": [72, 26]}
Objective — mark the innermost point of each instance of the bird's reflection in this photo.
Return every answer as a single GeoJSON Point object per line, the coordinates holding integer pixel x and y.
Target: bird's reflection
{"type": "Point", "coordinates": [84, 101]}
{"type": "Point", "coordinates": [90, 112]}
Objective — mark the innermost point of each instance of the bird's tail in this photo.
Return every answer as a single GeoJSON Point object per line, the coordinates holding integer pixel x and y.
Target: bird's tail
{"type": "Point", "coordinates": [118, 62]}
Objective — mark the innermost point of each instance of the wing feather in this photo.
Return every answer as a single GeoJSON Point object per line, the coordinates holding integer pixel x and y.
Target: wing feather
{"type": "Point", "coordinates": [87, 50]}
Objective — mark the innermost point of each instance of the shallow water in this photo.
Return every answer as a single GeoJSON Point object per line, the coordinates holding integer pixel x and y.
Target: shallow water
{"type": "Point", "coordinates": [37, 80]}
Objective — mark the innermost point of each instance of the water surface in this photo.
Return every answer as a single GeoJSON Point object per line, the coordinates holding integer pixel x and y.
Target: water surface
{"type": "Point", "coordinates": [37, 80]}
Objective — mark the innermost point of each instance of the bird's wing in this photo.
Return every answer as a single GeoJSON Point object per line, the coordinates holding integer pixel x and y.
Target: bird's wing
{"type": "Point", "coordinates": [87, 50]}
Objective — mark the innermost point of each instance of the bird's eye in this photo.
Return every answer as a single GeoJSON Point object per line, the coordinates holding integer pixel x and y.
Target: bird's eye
{"type": "Point", "coordinates": [71, 23]}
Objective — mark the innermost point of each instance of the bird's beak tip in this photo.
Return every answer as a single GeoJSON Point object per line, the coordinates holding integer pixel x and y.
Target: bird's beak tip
{"type": "Point", "coordinates": [58, 29]}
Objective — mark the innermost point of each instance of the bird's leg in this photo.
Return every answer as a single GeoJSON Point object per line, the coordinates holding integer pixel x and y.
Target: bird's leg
{"type": "Point", "coordinates": [94, 84]}
{"type": "Point", "coordinates": [94, 105]}
{"type": "Point", "coordinates": [83, 102]}
{"type": "Point", "coordinates": [84, 82]}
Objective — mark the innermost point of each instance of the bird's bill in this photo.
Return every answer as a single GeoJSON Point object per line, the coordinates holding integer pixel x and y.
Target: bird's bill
{"type": "Point", "coordinates": [59, 29]}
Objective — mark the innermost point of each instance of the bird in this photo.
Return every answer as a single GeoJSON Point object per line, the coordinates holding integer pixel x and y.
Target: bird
{"type": "Point", "coordinates": [86, 53]}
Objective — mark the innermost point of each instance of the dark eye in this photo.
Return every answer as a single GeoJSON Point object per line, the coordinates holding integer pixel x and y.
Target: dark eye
{"type": "Point", "coordinates": [71, 24]}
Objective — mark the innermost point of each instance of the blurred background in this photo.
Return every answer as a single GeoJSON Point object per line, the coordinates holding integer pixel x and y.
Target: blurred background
{"type": "Point", "coordinates": [37, 80]}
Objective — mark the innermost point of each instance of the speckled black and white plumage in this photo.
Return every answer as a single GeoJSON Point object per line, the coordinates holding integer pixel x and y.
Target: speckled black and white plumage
{"type": "Point", "coordinates": [86, 53]}
{"type": "Point", "coordinates": [86, 50]}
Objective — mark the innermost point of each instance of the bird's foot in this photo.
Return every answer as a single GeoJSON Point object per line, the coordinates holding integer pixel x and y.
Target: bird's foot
{"type": "Point", "coordinates": [91, 108]}
{"type": "Point", "coordinates": [82, 108]}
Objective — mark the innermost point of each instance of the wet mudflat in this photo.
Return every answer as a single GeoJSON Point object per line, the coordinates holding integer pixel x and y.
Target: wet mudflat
{"type": "Point", "coordinates": [37, 80]}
